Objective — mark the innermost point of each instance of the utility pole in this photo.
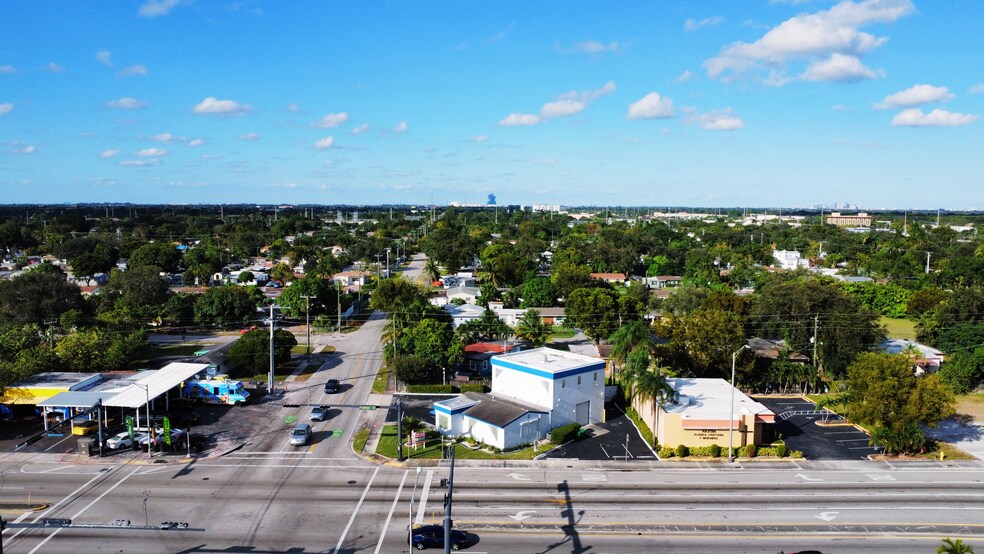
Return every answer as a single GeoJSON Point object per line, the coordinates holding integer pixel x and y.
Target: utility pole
{"type": "Point", "coordinates": [270, 388]}
{"type": "Point", "coordinates": [816, 338]}
{"type": "Point", "coordinates": [927, 261]}
{"type": "Point", "coordinates": [399, 428]}
{"type": "Point", "coordinates": [447, 505]}
{"type": "Point", "coordinates": [338, 306]}
{"type": "Point", "coordinates": [307, 321]}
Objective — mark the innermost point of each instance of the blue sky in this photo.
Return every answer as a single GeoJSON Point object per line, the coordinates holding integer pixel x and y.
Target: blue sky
{"type": "Point", "coordinates": [753, 103]}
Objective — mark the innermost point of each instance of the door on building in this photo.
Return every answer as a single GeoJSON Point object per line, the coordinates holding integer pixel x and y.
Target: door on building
{"type": "Point", "coordinates": [582, 412]}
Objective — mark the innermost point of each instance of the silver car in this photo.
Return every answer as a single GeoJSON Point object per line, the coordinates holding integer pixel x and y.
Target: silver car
{"type": "Point", "coordinates": [300, 435]}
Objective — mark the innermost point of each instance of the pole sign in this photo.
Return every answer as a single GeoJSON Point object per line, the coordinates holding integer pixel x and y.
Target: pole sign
{"type": "Point", "coordinates": [129, 426]}
{"type": "Point", "coordinates": [167, 431]}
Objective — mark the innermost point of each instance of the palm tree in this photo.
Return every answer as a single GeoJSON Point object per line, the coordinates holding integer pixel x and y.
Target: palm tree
{"type": "Point", "coordinates": [951, 546]}
{"type": "Point", "coordinates": [627, 338]}
{"type": "Point", "coordinates": [431, 270]}
{"type": "Point", "coordinates": [647, 381]}
{"type": "Point", "coordinates": [531, 328]}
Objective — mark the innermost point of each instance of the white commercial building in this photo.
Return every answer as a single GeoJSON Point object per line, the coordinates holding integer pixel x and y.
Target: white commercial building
{"type": "Point", "coordinates": [790, 259]}
{"type": "Point", "coordinates": [533, 391]}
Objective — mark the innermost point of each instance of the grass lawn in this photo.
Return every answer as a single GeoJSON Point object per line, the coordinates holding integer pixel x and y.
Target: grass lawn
{"type": "Point", "coordinates": [561, 332]}
{"type": "Point", "coordinates": [359, 442]}
{"type": "Point", "coordinates": [380, 381]}
{"type": "Point", "coordinates": [972, 405]}
{"type": "Point", "coordinates": [387, 447]}
{"type": "Point", "coordinates": [183, 349]}
{"type": "Point", "coordinates": [299, 349]}
{"type": "Point", "coordinates": [899, 328]}
{"type": "Point", "coordinates": [949, 451]}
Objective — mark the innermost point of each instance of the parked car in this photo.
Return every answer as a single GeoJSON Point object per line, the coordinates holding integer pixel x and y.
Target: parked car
{"type": "Point", "coordinates": [319, 413]}
{"type": "Point", "coordinates": [122, 440]}
{"type": "Point", "coordinates": [177, 436]}
{"type": "Point", "coordinates": [85, 427]}
{"type": "Point", "coordinates": [300, 435]}
{"type": "Point", "coordinates": [433, 535]}
{"type": "Point", "coordinates": [332, 386]}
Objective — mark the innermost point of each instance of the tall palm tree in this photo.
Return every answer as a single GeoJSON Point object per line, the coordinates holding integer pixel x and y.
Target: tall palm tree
{"type": "Point", "coordinates": [431, 270]}
{"type": "Point", "coordinates": [531, 328]}
{"type": "Point", "coordinates": [627, 338]}
{"type": "Point", "coordinates": [951, 546]}
{"type": "Point", "coordinates": [648, 383]}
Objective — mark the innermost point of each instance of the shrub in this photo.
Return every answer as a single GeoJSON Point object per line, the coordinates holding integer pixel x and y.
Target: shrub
{"type": "Point", "coordinates": [714, 451]}
{"type": "Point", "coordinates": [564, 433]}
{"type": "Point", "coordinates": [665, 453]}
{"type": "Point", "coordinates": [681, 451]}
{"type": "Point", "coordinates": [472, 387]}
{"type": "Point", "coordinates": [751, 451]}
{"type": "Point", "coordinates": [441, 389]}
{"type": "Point", "coordinates": [796, 454]}
{"type": "Point", "coordinates": [782, 451]}
{"type": "Point", "coordinates": [766, 451]}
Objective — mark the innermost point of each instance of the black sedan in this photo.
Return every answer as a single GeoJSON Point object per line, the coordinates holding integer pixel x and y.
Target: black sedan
{"type": "Point", "coordinates": [433, 535]}
{"type": "Point", "coordinates": [332, 386]}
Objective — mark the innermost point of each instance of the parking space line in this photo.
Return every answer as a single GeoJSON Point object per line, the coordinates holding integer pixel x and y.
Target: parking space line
{"type": "Point", "coordinates": [396, 499]}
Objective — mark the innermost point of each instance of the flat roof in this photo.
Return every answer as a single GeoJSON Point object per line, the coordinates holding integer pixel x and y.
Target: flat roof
{"type": "Point", "coordinates": [56, 380]}
{"type": "Point", "coordinates": [456, 404]}
{"type": "Point", "coordinates": [710, 400]}
{"type": "Point", "coordinates": [77, 399]}
{"type": "Point", "coordinates": [548, 362]}
{"type": "Point", "coordinates": [157, 382]}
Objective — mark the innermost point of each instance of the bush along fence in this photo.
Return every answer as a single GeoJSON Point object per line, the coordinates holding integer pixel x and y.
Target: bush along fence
{"type": "Point", "coordinates": [715, 451]}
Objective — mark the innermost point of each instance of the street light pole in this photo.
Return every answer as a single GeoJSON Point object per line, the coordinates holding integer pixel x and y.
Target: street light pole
{"type": "Point", "coordinates": [731, 414]}
{"type": "Point", "coordinates": [270, 388]}
{"type": "Point", "coordinates": [412, 496]}
{"type": "Point", "coordinates": [307, 321]}
{"type": "Point", "coordinates": [387, 263]}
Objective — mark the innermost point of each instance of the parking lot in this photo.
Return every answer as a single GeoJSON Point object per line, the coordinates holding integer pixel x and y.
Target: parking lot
{"type": "Point", "coordinates": [615, 439]}
{"type": "Point", "coordinates": [817, 442]}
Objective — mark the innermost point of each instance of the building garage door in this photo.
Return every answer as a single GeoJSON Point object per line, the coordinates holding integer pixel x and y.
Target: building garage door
{"type": "Point", "coordinates": [582, 412]}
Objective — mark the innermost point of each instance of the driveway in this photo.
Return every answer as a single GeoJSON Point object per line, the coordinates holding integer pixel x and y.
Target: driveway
{"type": "Point", "coordinates": [615, 439]}
{"type": "Point", "coordinates": [962, 432]}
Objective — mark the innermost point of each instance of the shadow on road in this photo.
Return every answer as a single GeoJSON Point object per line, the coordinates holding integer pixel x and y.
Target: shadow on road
{"type": "Point", "coordinates": [570, 529]}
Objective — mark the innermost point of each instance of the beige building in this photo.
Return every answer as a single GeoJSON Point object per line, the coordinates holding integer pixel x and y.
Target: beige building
{"type": "Point", "coordinates": [697, 415]}
{"type": "Point", "coordinates": [859, 220]}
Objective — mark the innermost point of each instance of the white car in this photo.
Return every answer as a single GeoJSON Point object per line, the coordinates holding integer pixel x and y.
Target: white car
{"type": "Point", "coordinates": [123, 440]}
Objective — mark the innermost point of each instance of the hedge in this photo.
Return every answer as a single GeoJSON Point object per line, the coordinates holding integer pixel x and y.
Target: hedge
{"type": "Point", "coordinates": [681, 451]}
{"type": "Point", "coordinates": [665, 453]}
{"type": "Point", "coordinates": [472, 387]}
{"type": "Point", "coordinates": [565, 433]}
{"type": "Point", "coordinates": [441, 389]}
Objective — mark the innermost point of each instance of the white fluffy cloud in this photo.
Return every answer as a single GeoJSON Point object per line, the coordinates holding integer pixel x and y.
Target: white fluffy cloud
{"type": "Point", "coordinates": [687, 75]}
{"type": "Point", "coordinates": [151, 153]}
{"type": "Point", "coordinates": [694, 24]}
{"type": "Point", "coordinates": [813, 38]}
{"type": "Point", "coordinates": [7, 68]}
{"type": "Point", "coordinates": [651, 106]}
{"type": "Point", "coordinates": [360, 129]}
{"type": "Point", "coordinates": [479, 138]}
{"type": "Point", "coordinates": [6, 108]}
{"type": "Point", "coordinates": [127, 103]}
{"type": "Point", "coordinates": [155, 8]}
{"type": "Point", "coordinates": [109, 153]}
{"type": "Point", "coordinates": [55, 68]}
{"type": "Point", "coordinates": [915, 96]}
{"type": "Point", "coordinates": [165, 137]}
{"type": "Point", "coordinates": [519, 119]}
{"type": "Point", "coordinates": [977, 89]}
{"type": "Point", "coordinates": [593, 47]}
{"type": "Point", "coordinates": [839, 68]}
{"type": "Point", "coordinates": [135, 69]}
{"type": "Point", "coordinates": [331, 120]}
{"type": "Point", "coordinates": [914, 117]}
{"type": "Point", "coordinates": [105, 58]}
{"type": "Point", "coordinates": [136, 163]}
{"type": "Point", "coordinates": [29, 149]}
{"type": "Point", "coordinates": [717, 120]}
{"type": "Point", "coordinates": [250, 136]}
{"type": "Point", "coordinates": [324, 143]}
{"type": "Point", "coordinates": [401, 127]}
{"type": "Point", "coordinates": [196, 142]}
{"type": "Point", "coordinates": [211, 105]}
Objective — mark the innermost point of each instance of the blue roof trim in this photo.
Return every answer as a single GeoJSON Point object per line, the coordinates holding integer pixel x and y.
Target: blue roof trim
{"type": "Point", "coordinates": [547, 374]}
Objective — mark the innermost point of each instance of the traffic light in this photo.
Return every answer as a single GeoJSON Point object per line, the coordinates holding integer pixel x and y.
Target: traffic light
{"type": "Point", "coordinates": [173, 525]}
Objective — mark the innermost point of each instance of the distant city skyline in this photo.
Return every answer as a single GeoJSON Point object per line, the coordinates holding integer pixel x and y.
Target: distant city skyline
{"type": "Point", "coordinates": [796, 103]}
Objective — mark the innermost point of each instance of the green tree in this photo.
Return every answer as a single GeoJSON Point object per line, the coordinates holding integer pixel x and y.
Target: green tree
{"type": "Point", "coordinates": [415, 371]}
{"type": "Point", "coordinates": [700, 344]}
{"type": "Point", "coordinates": [162, 255]}
{"type": "Point", "coordinates": [323, 297]}
{"type": "Point", "coordinates": [594, 310]}
{"type": "Point", "coordinates": [395, 293]}
{"type": "Point", "coordinates": [245, 277]}
{"type": "Point", "coordinates": [34, 297]}
{"type": "Point", "coordinates": [645, 381]}
{"type": "Point", "coordinates": [227, 305]}
{"type": "Point", "coordinates": [538, 292]}
{"type": "Point", "coordinates": [884, 391]}
{"type": "Point", "coordinates": [951, 546]}
{"type": "Point", "coordinates": [282, 273]}
{"type": "Point", "coordinates": [432, 271]}
{"type": "Point", "coordinates": [566, 277]}
{"type": "Point", "coordinates": [964, 371]}
{"type": "Point", "coordinates": [629, 336]}
{"type": "Point", "coordinates": [486, 327]}
{"type": "Point", "coordinates": [531, 329]}
{"type": "Point", "coordinates": [251, 353]}
{"type": "Point", "coordinates": [139, 286]}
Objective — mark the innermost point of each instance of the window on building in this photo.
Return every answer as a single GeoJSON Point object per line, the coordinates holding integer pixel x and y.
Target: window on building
{"type": "Point", "coordinates": [578, 379]}
{"type": "Point", "coordinates": [563, 383]}
{"type": "Point", "coordinates": [443, 421]}
{"type": "Point", "coordinates": [596, 377]}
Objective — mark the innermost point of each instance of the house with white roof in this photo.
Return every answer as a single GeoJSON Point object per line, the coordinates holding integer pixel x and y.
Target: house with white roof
{"type": "Point", "coordinates": [533, 392]}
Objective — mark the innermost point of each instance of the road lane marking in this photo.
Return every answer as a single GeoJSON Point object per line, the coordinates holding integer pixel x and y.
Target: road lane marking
{"type": "Point", "coordinates": [594, 477]}
{"type": "Point", "coordinates": [52, 508]}
{"type": "Point", "coordinates": [341, 539]}
{"type": "Point", "coordinates": [807, 477]}
{"type": "Point", "coordinates": [881, 477]}
{"type": "Point", "coordinates": [382, 536]}
{"type": "Point", "coordinates": [82, 511]}
{"type": "Point", "coordinates": [422, 504]}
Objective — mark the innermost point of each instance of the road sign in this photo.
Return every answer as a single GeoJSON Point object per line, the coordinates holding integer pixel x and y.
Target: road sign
{"type": "Point", "coordinates": [367, 407]}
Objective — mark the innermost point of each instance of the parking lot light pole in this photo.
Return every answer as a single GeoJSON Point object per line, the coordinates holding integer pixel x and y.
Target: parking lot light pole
{"type": "Point", "coordinates": [731, 414]}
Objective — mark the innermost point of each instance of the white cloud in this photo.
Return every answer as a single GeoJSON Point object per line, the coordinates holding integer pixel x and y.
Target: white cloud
{"type": "Point", "coordinates": [547, 161]}
{"type": "Point", "coordinates": [209, 157]}
{"type": "Point", "coordinates": [914, 96]}
{"type": "Point", "coordinates": [519, 119]}
{"type": "Point", "coordinates": [151, 153]}
{"type": "Point", "coordinates": [360, 129]}
{"type": "Point", "coordinates": [6, 108]}
{"type": "Point", "coordinates": [29, 149]}
{"type": "Point", "coordinates": [154, 8]}
{"type": "Point", "coordinates": [293, 107]}
{"type": "Point", "coordinates": [401, 127]}
{"type": "Point", "coordinates": [693, 24]}
{"type": "Point", "coordinates": [573, 102]}
{"type": "Point", "coordinates": [840, 68]}
{"type": "Point", "coordinates": [250, 136]}
{"type": "Point", "coordinates": [687, 75]}
{"type": "Point", "coordinates": [105, 58]}
{"type": "Point", "coordinates": [8, 69]}
{"type": "Point", "coordinates": [812, 37]}
{"type": "Point", "coordinates": [130, 70]}
{"type": "Point", "coordinates": [165, 137]}
{"type": "Point", "coordinates": [717, 120]}
{"type": "Point", "coordinates": [839, 108]}
{"type": "Point", "coordinates": [331, 120]}
{"type": "Point", "coordinates": [285, 186]}
{"type": "Point", "coordinates": [55, 68]}
{"type": "Point", "coordinates": [976, 89]}
{"type": "Point", "coordinates": [109, 153]}
{"type": "Point", "coordinates": [136, 163]}
{"type": "Point", "coordinates": [196, 142]}
{"type": "Point", "coordinates": [501, 34]}
{"type": "Point", "coordinates": [479, 138]}
{"type": "Point", "coordinates": [651, 106]}
{"type": "Point", "coordinates": [127, 103]}
{"type": "Point", "coordinates": [593, 47]}
{"type": "Point", "coordinates": [915, 117]}
{"type": "Point", "coordinates": [324, 143]}
{"type": "Point", "coordinates": [211, 105]}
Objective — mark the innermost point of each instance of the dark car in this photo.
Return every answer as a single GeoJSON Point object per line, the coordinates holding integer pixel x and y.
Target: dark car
{"type": "Point", "coordinates": [433, 535]}
{"type": "Point", "coordinates": [332, 386]}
